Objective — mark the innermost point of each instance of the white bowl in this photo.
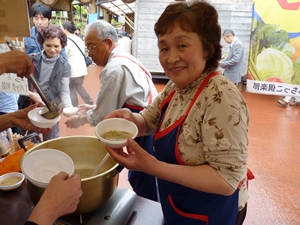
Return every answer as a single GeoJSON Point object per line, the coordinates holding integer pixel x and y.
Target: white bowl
{"type": "Point", "coordinates": [70, 111]}
{"type": "Point", "coordinates": [115, 124]}
{"type": "Point", "coordinates": [41, 165]}
{"type": "Point", "coordinates": [39, 121]}
{"type": "Point", "coordinates": [11, 181]}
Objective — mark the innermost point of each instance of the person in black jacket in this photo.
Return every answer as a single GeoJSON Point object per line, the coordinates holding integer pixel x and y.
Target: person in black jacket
{"type": "Point", "coordinates": [78, 33]}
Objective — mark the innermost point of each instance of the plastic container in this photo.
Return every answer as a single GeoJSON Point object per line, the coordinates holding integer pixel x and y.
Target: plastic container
{"type": "Point", "coordinates": [4, 144]}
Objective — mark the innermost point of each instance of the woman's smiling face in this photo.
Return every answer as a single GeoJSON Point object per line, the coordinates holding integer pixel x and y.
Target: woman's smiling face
{"type": "Point", "coordinates": [52, 47]}
{"type": "Point", "coordinates": [182, 56]}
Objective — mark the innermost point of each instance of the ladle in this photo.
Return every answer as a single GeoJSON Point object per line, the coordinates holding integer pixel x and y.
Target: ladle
{"type": "Point", "coordinates": [53, 109]}
{"type": "Point", "coordinates": [100, 164]}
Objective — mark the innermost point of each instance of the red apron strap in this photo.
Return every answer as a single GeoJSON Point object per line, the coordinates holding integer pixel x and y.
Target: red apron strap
{"type": "Point", "coordinates": [202, 85]}
{"type": "Point", "coordinates": [250, 176]}
{"type": "Point", "coordinates": [133, 107]}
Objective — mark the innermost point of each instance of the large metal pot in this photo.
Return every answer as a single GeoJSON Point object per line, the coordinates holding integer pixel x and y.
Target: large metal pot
{"type": "Point", "coordinates": [86, 152]}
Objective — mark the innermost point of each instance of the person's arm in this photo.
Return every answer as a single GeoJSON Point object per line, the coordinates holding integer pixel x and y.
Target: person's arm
{"type": "Point", "coordinates": [203, 177]}
{"type": "Point", "coordinates": [17, 62]}
{"type": "Point", "coordinates": [65, 92]}
{"type": "Point", "coordinates": [108, 99]}
{"type": "Point", "coordinates": [61, 197]}
{"type": "Point", "coordinates": [80, 118]}
{"type": "Point", "coordinates": [237, 53]}
{"type": "Point", "coordinates": [64, 83]}
{"type": "Point", "coordinates": [36, 98]}
{"type": "Point", "coordinates": [18, 118]}
{"type": "Point", "coordinates": [225, 156]}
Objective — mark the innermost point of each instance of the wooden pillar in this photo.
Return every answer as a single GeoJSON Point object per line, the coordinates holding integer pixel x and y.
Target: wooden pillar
{"type": "Point", "coordinates": [70, 14]}
{"type": "Point", "coordinates": [93, 7]}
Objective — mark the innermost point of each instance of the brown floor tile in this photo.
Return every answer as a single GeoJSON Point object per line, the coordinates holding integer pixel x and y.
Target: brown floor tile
{"type": "Point", "coordinates": [274, 157]}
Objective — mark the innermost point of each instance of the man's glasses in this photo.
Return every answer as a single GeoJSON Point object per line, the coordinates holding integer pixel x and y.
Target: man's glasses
{"type": "Point", "coordinates": [37, 18]}
{"type": "Point", "coordinates": [92, 48]}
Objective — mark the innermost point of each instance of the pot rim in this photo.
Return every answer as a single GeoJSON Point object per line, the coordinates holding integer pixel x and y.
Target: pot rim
{"type": "Point", "coordinates": [68, 137]}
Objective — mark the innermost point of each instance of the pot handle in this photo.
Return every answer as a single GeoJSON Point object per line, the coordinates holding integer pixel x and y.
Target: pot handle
{"type": "Point", "coordinates": [34, 137]}
{"type": "Point", "coordinates": [113, 173]}
{"type": "Point", "coordinates": [119, 168]}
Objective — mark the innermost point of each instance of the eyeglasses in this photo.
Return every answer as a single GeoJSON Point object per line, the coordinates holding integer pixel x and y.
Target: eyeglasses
{"type": "Point", "coordinates": [92, 49]}
{"type": "Point", "coordinates": [36, 18]}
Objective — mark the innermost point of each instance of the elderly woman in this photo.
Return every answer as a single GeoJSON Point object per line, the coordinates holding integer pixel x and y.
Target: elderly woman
{"type": "Point", "coordinates": [52, 72]}
{"type": "Point", "coordinates": [200, 122]}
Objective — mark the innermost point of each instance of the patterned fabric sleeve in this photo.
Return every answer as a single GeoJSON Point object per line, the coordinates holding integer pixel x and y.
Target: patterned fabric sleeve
{"type": "Point", "coordinates": [224, 126]}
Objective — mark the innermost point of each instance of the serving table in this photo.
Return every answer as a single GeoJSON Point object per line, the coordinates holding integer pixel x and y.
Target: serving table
{"type": "Point", "coordinates": [16, 206]}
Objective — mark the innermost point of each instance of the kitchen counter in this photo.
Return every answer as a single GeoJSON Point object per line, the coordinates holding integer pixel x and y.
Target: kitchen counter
{"type": "Point", "coordinates": [16, 207]}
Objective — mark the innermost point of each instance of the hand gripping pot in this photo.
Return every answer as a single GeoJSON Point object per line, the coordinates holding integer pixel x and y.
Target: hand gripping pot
{"type": "Point", "coordinates": [86, 153]}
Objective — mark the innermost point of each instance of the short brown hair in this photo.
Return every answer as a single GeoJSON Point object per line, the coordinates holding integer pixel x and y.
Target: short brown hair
{"type": "Point", "coordinates": [198, 17]}
{"type": "Point", "coordinates": [50, 32]}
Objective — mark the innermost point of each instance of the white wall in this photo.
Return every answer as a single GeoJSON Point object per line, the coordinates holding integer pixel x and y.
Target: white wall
{"type": "Point", "coordinates": [233, 14]}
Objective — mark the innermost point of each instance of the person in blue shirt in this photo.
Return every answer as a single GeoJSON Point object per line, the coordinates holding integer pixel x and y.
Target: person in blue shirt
{"type": "Point", "coordinates": [41, 16]}
{"type": "Point", "coordinates": [9, 103]}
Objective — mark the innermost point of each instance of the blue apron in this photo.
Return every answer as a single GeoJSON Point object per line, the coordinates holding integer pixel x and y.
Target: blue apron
{"type": "Point", "coordinates": [182, 205]}
{"type": "Point", "coordinates": [143, 184]}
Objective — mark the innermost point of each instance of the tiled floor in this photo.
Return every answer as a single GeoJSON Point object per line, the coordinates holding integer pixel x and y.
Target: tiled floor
{"type": "Point", "coordinates": [274, 157]}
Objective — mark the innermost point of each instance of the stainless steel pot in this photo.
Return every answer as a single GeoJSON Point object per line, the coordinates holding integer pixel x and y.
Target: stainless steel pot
{"type": "Point", "coordinates": [86, 152]}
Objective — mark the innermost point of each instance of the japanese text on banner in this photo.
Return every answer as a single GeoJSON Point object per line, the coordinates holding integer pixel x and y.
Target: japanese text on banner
{"type": "Point", "coordinates": [273, 88]}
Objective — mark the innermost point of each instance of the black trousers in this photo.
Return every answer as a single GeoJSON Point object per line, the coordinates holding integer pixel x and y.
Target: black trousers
{"type": "Point", "coordinates": [241, 216]}
{"type": "Point", "coordinates": [76, 87]}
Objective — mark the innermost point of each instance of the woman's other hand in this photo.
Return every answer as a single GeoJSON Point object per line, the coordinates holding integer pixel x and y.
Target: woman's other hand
{"type": "Point", "coordinates": [121, 113]}
{"type": "Point", "coordinates": [133, 157]}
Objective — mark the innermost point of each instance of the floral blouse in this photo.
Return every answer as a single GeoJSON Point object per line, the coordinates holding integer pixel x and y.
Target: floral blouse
{"type": "Point", "coordinates": [215, 132]}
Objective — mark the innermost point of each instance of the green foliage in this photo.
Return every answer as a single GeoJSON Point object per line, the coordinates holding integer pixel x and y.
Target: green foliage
{"type": "Point", "coordinates": [296, 66]}
{"type": "Point", "coordinates": [287, 49]}
{"type": "Point", "coordinates": [83, 10]}
{"type": "Point", "coordinates": [274, 63]}
{"type": "Point", "coordinates": [116, 24]}
{"type": "Point", "coordinates": [76, 17]}
{"type": "Point", "coordinates": [265, 36]}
